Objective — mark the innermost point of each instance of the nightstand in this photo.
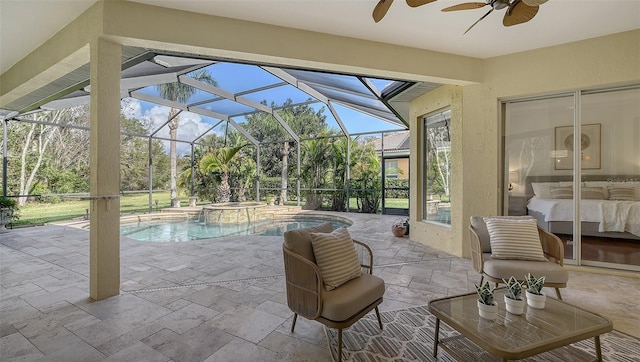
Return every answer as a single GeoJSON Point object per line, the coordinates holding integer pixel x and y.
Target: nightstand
{"type": "Point", "coordinates": [517, 205]}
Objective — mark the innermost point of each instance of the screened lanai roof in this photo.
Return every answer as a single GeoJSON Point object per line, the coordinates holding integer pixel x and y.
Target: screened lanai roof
{"type": "Point", "coordinates": [353, 104]}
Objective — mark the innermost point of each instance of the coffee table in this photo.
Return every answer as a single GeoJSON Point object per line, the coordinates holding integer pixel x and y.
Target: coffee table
{"type": "Point", "coordinates": [512, 337]}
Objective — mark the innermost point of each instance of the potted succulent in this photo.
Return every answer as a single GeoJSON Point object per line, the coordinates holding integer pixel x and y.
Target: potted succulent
{"type": "Point", "coordinates": [398, 228]}
{"type": "Point", "coordinates": [487, 307]}
{"type": "Point", "coordinates": [513, 299]}
{"type": "Point", "coordinates": [535, 297]}
{"type": "Point", "coordinates": [8, 212]}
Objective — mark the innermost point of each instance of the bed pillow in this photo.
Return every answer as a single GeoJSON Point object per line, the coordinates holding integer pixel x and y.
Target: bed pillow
{"type": "Point", "coordinates": [634, 185]}
{"type": "Point", "coordinates": [543, 189]}
{"type": "Point", "coordinates": [603, 184]}
{"type": "Point", "coordinates": [562, 192]}
{"type": "Point", "coordinates": [594, 193]}
{"type": "Point", "coordinates": [620, 193]}
{"type": "Point", "coordinates": [514, 239]}
{"type": "Point", "coordinates": [336, 257]}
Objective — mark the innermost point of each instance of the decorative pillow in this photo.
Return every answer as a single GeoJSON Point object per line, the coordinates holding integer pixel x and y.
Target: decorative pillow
{"type": "Point", "coordinates": [562, 192]}
{"type": "Point", "coordinates": [627, 184]}
{"type": "Point", "coordinates": [603, 184]}
{"type": "Point", "coordinates": [622, 193]}
{"type": "Point", "coordinates": [336, 257]}
{"type": "Point", "coordinates": [595, 193]}
{"type": "Point", "coordinates": [514, 239]}
{"type": "Point", "coordinates": [543, 189]}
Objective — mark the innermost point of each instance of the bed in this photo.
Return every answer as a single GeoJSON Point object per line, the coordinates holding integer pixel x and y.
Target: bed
{"type": "Point", "coordinates": [608, 208]}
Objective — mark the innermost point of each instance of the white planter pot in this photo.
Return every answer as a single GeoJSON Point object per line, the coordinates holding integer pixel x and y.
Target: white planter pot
{"type": "Point", "coordinates": [514, 306]}
{"type": "Point", "coordinates": [536, 301]}
{"type": "Point", "coordinates": [5, 218]}
{"type": "Point", "coordinates": [489, 312]}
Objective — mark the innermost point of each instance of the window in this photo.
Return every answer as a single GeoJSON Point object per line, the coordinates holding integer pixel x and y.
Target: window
{"type": "Point", "coordinates": [437, 167]}
{"type": "Point", "coordinates": [391, 169]}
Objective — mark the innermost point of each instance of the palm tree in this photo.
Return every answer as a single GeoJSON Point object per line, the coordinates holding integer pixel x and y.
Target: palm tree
{"type": "Point", "coordinates": [219, 162]}
{"type": "Point", "coordinates": [178, 92]}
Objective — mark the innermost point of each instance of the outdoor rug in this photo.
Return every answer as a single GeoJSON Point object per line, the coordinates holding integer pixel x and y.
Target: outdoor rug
{"type": "Point", "coordinates": [408, 336]}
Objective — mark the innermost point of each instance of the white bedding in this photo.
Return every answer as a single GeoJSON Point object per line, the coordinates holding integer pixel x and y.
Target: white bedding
{"type": "Point", "coordinates": [609, 214]}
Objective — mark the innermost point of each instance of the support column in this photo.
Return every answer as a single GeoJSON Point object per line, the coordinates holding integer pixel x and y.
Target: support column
{"type": "Point", "coordinates": [105, 169]}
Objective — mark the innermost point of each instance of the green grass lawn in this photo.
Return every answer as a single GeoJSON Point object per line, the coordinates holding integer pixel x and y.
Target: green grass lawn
{"type": "Point", "coordinates": [35, 213]}
{"type": "Point", "coordinates": [40, 212]}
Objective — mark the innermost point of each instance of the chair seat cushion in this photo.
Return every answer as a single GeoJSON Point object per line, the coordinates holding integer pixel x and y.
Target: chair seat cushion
{"type": "Point", "coordinates": [345, 301]}
{"type": "Point", "coordinates": [503, 269]}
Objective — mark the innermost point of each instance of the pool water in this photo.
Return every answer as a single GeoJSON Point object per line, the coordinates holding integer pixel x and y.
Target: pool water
{"type": "Point", "coordinates": [185, 230]}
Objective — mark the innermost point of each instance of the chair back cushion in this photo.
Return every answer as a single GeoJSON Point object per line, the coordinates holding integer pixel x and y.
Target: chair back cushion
{"type": "Point", "coordinates": [479, 226]}
{"type": "Point", "coordinates": [299, 240]}
{"type": "Point", "coordinates": [336, 257]}
{"type": "Point", "coordinates": [514, 239]}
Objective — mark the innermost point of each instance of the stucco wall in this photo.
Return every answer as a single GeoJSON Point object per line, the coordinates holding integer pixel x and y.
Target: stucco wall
{"type": "Point", "coordinates": [440, 236]}
{"type": "Point", "coordinates": [476, 148]}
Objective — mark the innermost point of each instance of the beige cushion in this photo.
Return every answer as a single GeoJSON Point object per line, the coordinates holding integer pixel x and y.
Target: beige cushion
{"type": "Point", "coordinates": [514, 239]}
{"type": "Point", "coordinates": [299, 240]}
{"type": "Point", "coordinates": [602, 184]}
{"type": "Point", "coordinates": [620, 193]}
{"type": "Point", "coordinates": [543, 189]}
{"type": "Point", "coordinates": [336, 257]}
{"type": "Point", "coordinates": [562, 192]}
{"type": "Point", "coordinates": [352, 297]}
{"type": "Point", "coordinates": [503, 269]}
{"type": "Point", "coordinates": [595, 193]}
{"type": "Point", "coordinates": [479, 226]}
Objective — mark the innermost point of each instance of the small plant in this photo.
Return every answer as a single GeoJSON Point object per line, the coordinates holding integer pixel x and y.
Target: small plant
{"type": "Point", "coordinates": [485, 293]}
{"type": "Point", "coordinates": [534, 285]}
{"type": "Point", "coordinates": [514, 288]}
{"type": "Point", "coordinates": [9, 204]}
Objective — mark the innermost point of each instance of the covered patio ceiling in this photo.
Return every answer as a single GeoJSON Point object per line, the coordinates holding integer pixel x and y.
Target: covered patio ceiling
{"type": "Point", "coordinates": [353, 104]}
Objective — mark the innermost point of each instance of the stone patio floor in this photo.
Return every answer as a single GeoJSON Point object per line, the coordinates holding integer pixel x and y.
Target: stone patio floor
{"type": "Point", "coordinates": [221, 299]}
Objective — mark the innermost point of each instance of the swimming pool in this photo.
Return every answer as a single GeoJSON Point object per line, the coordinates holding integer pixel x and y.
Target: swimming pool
{"type": "Point", "coordinates": [164, 231]}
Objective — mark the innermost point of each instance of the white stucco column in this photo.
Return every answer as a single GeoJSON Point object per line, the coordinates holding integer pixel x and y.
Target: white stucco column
{"type": "Point", "coordinates": [105, 169]}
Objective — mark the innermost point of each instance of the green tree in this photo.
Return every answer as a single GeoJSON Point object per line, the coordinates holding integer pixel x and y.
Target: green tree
{"type": "Point", "coordinates": [303, 120]}
{"type": "Point", "coordinates": [179, 92]}
{"type": "Point", "coordinates": [134, 157]}
{"type": "Point", "coordinates": [315, 169]}
{"type": "Point", "coordinates": [366, 178]}
{"type": "Point", "coordinates": [218, 162]}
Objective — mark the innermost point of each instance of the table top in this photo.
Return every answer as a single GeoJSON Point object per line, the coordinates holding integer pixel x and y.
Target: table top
{"type": "Point", "coordinates": [519, 336]}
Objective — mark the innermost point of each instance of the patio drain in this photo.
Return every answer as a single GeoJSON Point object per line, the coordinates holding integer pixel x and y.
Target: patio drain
{"type": "Point", "coordinates": [204, 284]}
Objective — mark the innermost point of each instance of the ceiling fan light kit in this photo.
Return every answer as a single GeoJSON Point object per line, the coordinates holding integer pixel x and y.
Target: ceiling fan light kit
{"type": "Point", "coordinates": [518, 11]}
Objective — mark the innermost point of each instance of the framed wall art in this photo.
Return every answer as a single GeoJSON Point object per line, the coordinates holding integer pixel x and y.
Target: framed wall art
{"type": "Point", "coordinates": [589, 147]}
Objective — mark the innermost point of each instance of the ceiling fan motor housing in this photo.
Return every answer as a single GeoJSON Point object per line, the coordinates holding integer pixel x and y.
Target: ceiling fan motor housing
{"type": "Point", "coordinates": [501, 4]}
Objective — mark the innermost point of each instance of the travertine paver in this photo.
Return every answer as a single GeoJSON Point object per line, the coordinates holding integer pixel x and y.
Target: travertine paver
{"type": "Point", "coordinates": [218, 299]}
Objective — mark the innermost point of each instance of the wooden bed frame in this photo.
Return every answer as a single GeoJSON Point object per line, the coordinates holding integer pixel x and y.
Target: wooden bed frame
{"type": "Point", "coordinates": [566, 227]}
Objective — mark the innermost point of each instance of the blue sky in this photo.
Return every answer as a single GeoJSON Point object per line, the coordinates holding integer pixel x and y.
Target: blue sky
{"type": "Point", "coordinates": [237, 78]}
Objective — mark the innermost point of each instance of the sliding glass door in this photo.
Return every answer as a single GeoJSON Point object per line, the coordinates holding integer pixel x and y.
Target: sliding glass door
{"type": "Point", "coordinates": [572, 161]}
{"type": "Point", "coordinates": [537, 173]}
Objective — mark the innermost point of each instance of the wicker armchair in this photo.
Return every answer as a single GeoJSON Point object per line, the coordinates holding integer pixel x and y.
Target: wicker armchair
{"type": "Point", "coordinates": [306, 295]}
{"type": "Point", "coordinates": [556, 276]}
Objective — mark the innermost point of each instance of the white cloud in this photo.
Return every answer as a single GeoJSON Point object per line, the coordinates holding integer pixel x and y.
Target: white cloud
{"type": "Point", "coordinates": [131, 108]}
{"type": "Point", "coordinates": [191, 125]}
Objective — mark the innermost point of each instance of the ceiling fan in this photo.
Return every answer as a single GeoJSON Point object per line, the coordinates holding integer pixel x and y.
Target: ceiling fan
{"type": "Point", "coordinates": [383, 6]}
{"type": "Point", "coordinates": [518, 11]}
